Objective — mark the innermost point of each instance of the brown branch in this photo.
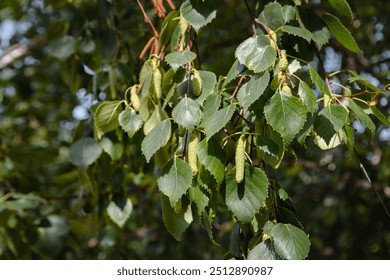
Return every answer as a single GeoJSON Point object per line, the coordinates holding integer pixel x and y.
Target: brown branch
{"type": "Point", "coordinates": [18, 50]}
{"type": "Point", "coordinates": [147, 19]}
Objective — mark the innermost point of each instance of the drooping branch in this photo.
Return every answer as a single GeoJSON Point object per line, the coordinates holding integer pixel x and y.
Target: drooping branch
{"type": "Point", "coordinates": [18, 50]}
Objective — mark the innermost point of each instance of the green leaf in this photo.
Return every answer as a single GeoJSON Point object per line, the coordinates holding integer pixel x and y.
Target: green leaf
{"type": "Point", "coordinates": [380, 116]}
{"type": "Point", "coordinates": [84, 152]}
{"type": "Point", "coordinates": [154, 119]}
{"type": "Point", "coordinates": [179, 58]}
{"type": "Point", "coordinates": [211, 104]}
{"type": "Point", "coordinates": [194, 17]}
{"type": "Point", "coordinates": [362, 116]}
{"type": "Point", "coordinates": [256, 53]}
{"type": "Point", "coordinates": [321, 37]}
{"type": "Point", "coordinates": [201, 200]}
{"type": "Point", "coordinates": [120, 215]}
{"type": "Point", "coordinates": [106, 117]}
{"type": "Point", "coordinates": [341, 33]}
{"type": "Point", "coordinates": [342, 7]}
{"type": "Point", "coordinates": [218, 120]}
{"type": "Point", "coordinates": [263, 251]}
{"type": "Point", "coordinates": [176, 223]}
{"type": "Point", "coordinates": [168, 26]}
{"type": "Point", "coordinates": [286, 114]}
{"type": "Point", "coordinates": [298, 31]}
{"type": "Point", "coordinates": [246, 199]}
{"type": "Point", "coordinates": [187, 113]}
{"type": "Point", "coordinates": [307, 96]}
{"type": "Point", "coordinates": [234, 71]}
{"type": "Point", "coordinates": [286, 216]}
{"type": "Point", "coordinates": [20, 202]}
{"type": "Point", "coordinates": [115, 151]}
{"type": "Point", "coordinates": [272, 15]}
{"type": "Point", "coordinates": [329, 121]}
{"type": "Point", "coordinates": [175, 179]}
{"type": "Point", "coordinates": [130, 121]}
{"type": "Point", "coordinates": [252, 90]}
{"type": "Point", "coordinates": [207, 220]}
{"type": "Point", "coordinates": [271, 143]}
{"type": "Point", "coordinates": [209, 80]}
{"type": "Point", "coordinates": [289, 13]}
{"type": "Point", "coordinates": [317, 80]}
{"type": "Point", "coordinates": [337, 139]}
{"type": "Point", "coordinates": [156, 138]}
{"type": "Point", "coordinates": [289, 241]}
{"type": "Point", "coordinates": [213, 158]}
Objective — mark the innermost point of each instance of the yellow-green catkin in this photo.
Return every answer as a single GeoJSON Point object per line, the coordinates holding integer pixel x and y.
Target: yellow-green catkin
{"type": "Point", "coordinates": [193, 153]}
{"type": "Point", "coordinates": [286, 89]}
{"type": "Point", "coordinates": [134, 98]}
{"type": "Point", "coordinates": [240, 159]}
{"type": "Point", "coordinates": [157, 82]}
{"type": "Point", "coordinates": [273, 38]}
{"type": "Point", "coordinates": [283, 62]}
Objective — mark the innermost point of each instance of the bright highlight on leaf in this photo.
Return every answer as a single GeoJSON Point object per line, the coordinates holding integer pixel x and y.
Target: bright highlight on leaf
{"type": "Point", "coordinates": [179, 58]}
{"type": "Point", "coordinates": [286, 114]}
{"type": "Point", "coordinates": [106, 117]}
{"type": "Point", "coordinates": [156, 138]}
{"type": "Point", "coordinates": [119, 215]}
{"type": "Point", "coordinates": [196, 18]}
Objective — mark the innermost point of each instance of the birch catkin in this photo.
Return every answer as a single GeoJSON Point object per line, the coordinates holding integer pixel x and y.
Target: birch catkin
{"type": "Point", "coordinates": [134, 98]}
{"type": "Point", "coordinates": [192, 153]}
{"type": "Point", "coordinates": [240, 159]}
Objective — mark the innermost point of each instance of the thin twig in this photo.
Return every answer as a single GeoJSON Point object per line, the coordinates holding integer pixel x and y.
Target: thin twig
{"type": "Point", "coordinates": [371, 183]}
{"type": "Point", "coordinates": [147, 19]}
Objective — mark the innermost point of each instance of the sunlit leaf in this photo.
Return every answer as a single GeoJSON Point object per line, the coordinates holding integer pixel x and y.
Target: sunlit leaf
{"type": "Point", "coordinates": [130, 121]}
{"type": "Point", "coordinates": [330, 120]}
{"type": "Point", "coordinates": [196, 18]}
{"type": "Point", "coordinates": [156, 138]}
{"type": "Point", "coordinates": [263, 251]}
{"type": "Point", "coordinates": [179, 58]}
{"type": "Point", "coordinates": [256, 53]}
{"type": "Point", "coordinates": [175, 179]}
{"type": "Point", "coordinates": [106, 117]}
{"type": "Point", "coordinates": [289, 241]}
{"type": "Point", "coordinates": [252, 90]}
{"type": "Point", "coordinates": [246, 199]}
{"type": "Point", "coordinates": [187, 113]}
{"type": "Point", "coordinates": [218, 120]}
{"type": "Point", "coordinates": [119, 215]}
{"type": "Point", "coordinates": [340, 32]}
{"type": "Point", "coordinates": [286, 114]}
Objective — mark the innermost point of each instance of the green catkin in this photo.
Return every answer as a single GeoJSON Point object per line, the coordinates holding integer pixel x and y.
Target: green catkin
{"type": "Point", "coordinates": [286, 89]}
{"type": "Point", "coordinates": [240, 159]}
{"type": "Point", "coordinates": [273, 38]}
{"type": "Point", "coordinates": [192, 153]}
{"type": "Point", "coordinates": [134, 98]}
{"type": "Point", "coordinates": [283, 62]}
{"type": "Point", "coordinates": [157, 82]}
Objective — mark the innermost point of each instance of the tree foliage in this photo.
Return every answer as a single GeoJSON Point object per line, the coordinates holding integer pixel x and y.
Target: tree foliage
{"type": "Point", "coordinates": [147, 86]}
